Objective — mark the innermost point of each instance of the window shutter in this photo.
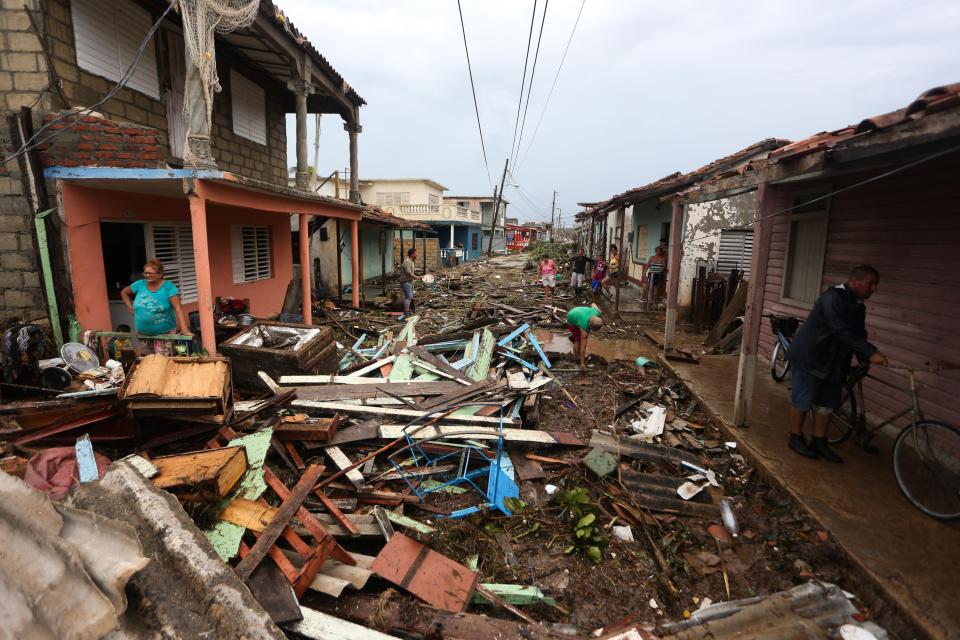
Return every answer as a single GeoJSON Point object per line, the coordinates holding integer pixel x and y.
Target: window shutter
{"type": "Point", "coordinates": [107, 39]}
{"type": "Point", "coordinates": [172, 245]}
{"type": "Point", "coordinates": [236, 253]}
{"type": "Point", "coordinates": [249, 109]}
{"type": "Point", "coordinates": [250, 253]}
{"type": "Point", "coordinates": [736, 247]}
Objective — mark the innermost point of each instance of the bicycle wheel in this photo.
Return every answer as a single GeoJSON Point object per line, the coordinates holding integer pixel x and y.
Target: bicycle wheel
{"type": "Point", "coordinates": [779, 365]}
{"type": "Point", "coordinates": [844, 419]}
{"type": "Point", "coordinates": [926, 461]}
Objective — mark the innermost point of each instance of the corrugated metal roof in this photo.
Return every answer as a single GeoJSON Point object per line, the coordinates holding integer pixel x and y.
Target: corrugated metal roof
{"type": "Point", "coordinates": [677, 181]}
{"type": "Point", "coordinates": [271, 11]}
{"type": "Point", "coordinates": [379, 216]}
{"type": "Point", "coordinates": [931, 101]}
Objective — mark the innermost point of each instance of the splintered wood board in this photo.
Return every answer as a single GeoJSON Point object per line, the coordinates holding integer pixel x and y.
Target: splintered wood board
{"type": "Point", "coordinates": [354, 409]}
{"type": "Point", "coordinates": [248, 514]}
{"type": "Point", "coordinates": [434, 578]}
{"type": "Point", "coordinates": [156, 377]}
{"type": "Point", "coordinates": [201, 475]}
{"type": "Point", "coordinates": [316, 430]}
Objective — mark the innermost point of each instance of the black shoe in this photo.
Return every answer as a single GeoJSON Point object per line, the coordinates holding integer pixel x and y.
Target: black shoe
{"type": "Point", "coordinates": [799, 445]}
{"type": "Point", "coordinates": [822, 449]}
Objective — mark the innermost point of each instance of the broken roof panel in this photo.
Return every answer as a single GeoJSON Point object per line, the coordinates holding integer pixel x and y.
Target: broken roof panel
{"type": "Point", "coordinates": [678, 181]}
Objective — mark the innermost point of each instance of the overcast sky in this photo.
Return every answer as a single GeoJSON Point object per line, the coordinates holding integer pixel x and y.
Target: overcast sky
{"type": "Point", "coordinates": [648, 87]}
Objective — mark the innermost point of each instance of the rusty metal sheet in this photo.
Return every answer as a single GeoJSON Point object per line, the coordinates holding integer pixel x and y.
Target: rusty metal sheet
{"type": "Point", "coordinates": [434, 578]}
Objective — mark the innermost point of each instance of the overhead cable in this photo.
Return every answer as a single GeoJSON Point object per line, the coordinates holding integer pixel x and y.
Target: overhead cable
{"type": "Point", "coordinates": [476, 106]}
{"type": "Point", "coordinates": [552, 86]}
{"type": "Point", "coordinates": [533, 71]}
{"type": "Point", "coordinates": [523, 82]}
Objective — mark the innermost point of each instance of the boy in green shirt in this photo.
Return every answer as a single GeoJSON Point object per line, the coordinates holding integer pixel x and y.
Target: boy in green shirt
{"type": "Point", "coordinates": [580, 321]}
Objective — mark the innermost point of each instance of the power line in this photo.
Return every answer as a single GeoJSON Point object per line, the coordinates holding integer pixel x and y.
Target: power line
{"type": "Point", "coordinates": [476, 106]}
{"type": "Point", "coordinates": [555, 77]}
{"type": "Point", "coordinates": [523, 82]}
{"type": "Point", "coordinates": [533, 71]}
{"type": "Point", "coordinates": [32, 143]}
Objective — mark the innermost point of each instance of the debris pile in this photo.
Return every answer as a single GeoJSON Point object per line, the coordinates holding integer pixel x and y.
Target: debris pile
{"type": "Point", "coordinates": [443, 477]}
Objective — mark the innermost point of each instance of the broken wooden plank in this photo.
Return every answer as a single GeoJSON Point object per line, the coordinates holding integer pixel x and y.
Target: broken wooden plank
{"type": "Point", "coordinates": [642, 451]}
{"type": "Point", "coordinates": [201, 475]}
{"type": "Point", "coordinates": [330, 393]}
{"type": "Point", "coordinates": [343, 462]}
{"type": "Point", "coordinates": [306, 428]}
{"type": "Point", "coordinates": [459, 395]}
{"type": "Point", "coordinates": [480, 369]}
{"type": "Point", "coordinates": [434, 578]}
{"type": "Point", "coordinates": [391, 412]}
{"type": "Point", "coordinates": [525, 436]}
{"type": "Point", "coordinates": [280, 520]}
{"type": "Point", "coordinates": [321, 626]}
{"type": "Point", "coordinates": [439, 364]}
{"type": "Point", "coordinates": [291, 381]}
{"type": "Point", "coordinates": [526, 469]}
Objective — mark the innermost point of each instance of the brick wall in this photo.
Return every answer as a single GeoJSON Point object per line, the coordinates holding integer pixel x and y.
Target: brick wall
{"type": "Point", "coordinates": [239, 155]}
{"type": "Point", "coordinates": [23, 75]}
{"type": "Point", "coordinates": [233, 153]}
{"type": "Point", "coordinates": [91, 141]}
{"type": "Point", "coordinates": [433, 250]}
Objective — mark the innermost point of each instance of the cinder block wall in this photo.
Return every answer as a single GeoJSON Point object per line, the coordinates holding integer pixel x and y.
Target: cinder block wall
{"type": "Point", "coordinates": [23, 75]}
{"type": "Point", "coordinates": [433, 250]}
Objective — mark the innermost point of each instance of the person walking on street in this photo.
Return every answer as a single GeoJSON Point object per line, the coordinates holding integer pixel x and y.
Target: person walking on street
{"type": "Point", "coordinates": [407, 276]}
{"type": "Point", "coordinates": [580, 321]}
{"type": "Point", "coordinates": [820, 356]}
{"type": "Point", "coordinates": [579, 264]}
{"type": "Point", "coordinates": [548, 276]}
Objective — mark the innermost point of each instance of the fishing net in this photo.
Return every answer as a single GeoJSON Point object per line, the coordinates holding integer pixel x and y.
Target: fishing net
{"type": "Point", "coordinates": [202, 19]}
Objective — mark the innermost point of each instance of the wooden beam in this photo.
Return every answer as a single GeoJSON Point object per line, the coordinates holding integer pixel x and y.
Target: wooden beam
{"type": "Point", "coordinates": [280, 520]}
{"type": "Point", "coordinates": [354, 409]}
{"type": "Point", "coordinates": [753, 316]}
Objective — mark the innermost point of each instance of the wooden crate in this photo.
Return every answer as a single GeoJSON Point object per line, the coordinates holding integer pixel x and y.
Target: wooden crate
{"type": "Point", "coordinates": [201, 475]}
{"type": "Point", "coordinates": [173, 387]}
{"type": "Point", "coordinates": [318, 355]}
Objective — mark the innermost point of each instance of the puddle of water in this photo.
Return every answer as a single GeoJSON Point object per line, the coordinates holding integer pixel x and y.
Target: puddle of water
{"type": "Point", "coordinates": [607, 348]}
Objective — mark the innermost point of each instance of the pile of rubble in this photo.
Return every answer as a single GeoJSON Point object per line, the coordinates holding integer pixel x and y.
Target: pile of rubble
{"type": "Point", "coordinates": [422, 487]}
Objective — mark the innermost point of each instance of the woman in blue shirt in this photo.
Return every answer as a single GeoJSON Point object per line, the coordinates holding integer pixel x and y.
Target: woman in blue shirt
{"type": "Point", "coordinates": [155, 304]}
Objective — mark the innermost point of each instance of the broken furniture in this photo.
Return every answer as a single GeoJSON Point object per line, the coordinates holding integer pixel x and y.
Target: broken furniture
{"type": "Point", "coordinates": [277, 349]}
{"type": "Point", "coordinates": [201, 475]}
{"type": "Point", "coordinates": [194, 389]}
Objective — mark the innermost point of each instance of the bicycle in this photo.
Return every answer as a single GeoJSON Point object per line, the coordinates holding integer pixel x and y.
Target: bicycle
{"type": "Point", "coordinates": [784, 327]}
{"type": "Point", "coordinates": [926, 453]}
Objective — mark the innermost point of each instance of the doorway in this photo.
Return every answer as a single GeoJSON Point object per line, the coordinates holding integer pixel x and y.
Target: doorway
{"type": "Point", "coordinates": [124, 252]}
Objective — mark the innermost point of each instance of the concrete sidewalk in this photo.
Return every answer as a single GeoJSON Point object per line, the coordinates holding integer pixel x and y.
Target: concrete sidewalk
{"type": "Point", "coordinates": [914, 559]}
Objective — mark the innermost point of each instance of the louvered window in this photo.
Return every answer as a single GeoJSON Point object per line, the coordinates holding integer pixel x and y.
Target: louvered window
{"type": "Point", "coordinates": [250, 253]}
{"type": "Point", "coordinates": [393, 197]}
{"type": "Point", "coordinates": [172, 245]}
{"type": "Point", "coordinates": [248, 104]}
{"type": "Point", "coordinates": [736, 247]}
{"type": "Point", "coordinates": [108, 35]}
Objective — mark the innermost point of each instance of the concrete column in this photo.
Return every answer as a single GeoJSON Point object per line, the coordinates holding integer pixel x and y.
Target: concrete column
{"type": "Point", "coordinates": [451, 236]}
{"type": "Point", "coordinates": [305, 269]}
{"type": "Point", "coordinates": [201, 260]}
{"type": "Point", "coordinates": [673, 276]}
{"type": "Point", "coordinates": [753, 316]}
{"type": "Point", "coordinates": [302, 89]}
{"type": "Point", "coordinates": [355, 262]}
{"type": "Point", "coordinates": [353, 128]}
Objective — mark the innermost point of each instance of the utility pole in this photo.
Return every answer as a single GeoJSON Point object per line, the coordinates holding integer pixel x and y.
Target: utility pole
{"type": "Point", "coordinates": [497, 196]}
{"type": "Point", "coordinates": [553, 209]}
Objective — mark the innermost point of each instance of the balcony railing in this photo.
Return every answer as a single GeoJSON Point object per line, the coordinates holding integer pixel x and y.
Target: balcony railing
{"type": "Point", "coordinates": [434, 212]}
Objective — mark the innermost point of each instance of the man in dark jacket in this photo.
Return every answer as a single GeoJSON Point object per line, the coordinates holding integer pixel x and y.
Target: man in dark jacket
{"type": "Point", "coordinates": [820, 356]}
